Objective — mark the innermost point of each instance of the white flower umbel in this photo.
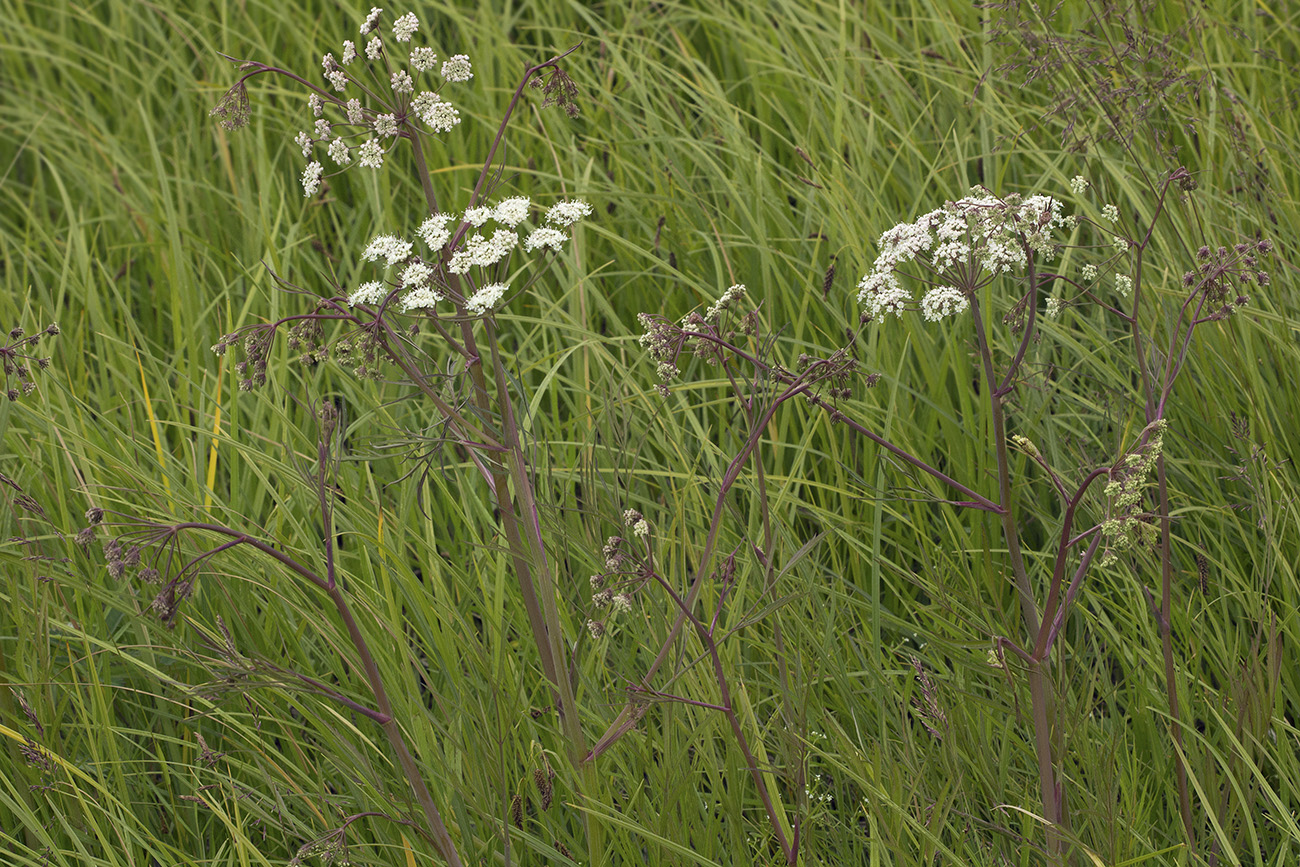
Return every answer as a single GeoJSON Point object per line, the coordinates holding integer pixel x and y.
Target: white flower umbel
{"type": "Point", "coordinates": [355, 115]}
{"type": "Point", "coordinates": [370, 154]}
{"type": "Point", "coordinates": [434, 232]}
{"type": "Point", "coordinates": [568, 213]}
{"type": "Point", "coordinates": [385, 125]}
{"type": "Point", "coordinates": [311, 178]}
{"type": "Point", "coordinates": [1078, 185]}
{"type": "Point", "coordinates": [545, 237]}
{"type": "Point", "coordinates": [388, 247]}
{"type": "Point", "coordinates": [978, 235]}
{"type": "Point", "coordinates": [478, 216]}
{"type": "Point", "coordinates": [440, 116]}
{"type": "Point", "coordinates": [1110, 212]}
{"type": "Point", "coordinates": [482, 252]}
{"type": "Point", "coordinates": [1054, 307]}
{"type": "Point", "coordinates": [512, 211]}
{"type": "Point", "coordinates": [349, 52]}
{"type": "Point", "coordinates": [486, 298]}
{"type": "Point", "coordinates": [373, 292]}
{"type": "Point", "coordinates": [303, 141]}
{"type": "Point", "coordinates": [416, 274]}
{"type": "Point", "coordinates": [457, 68]}
{"type": "Point", "coordinates": [422, 59]}
{"type": "Point", "coordinates": [422, 298]}
{"type": "Point", "coordinates": [339, 152]}
{"type": "Point", "coordinates": [316, 104]}
{"type": "Point", "coordinates": [401, 81]}
{"type": "Point", "coordinates": [1089, 272]}
{"type": "Point", "coordinates": [374, 48]}
{"type": "Point", "coordinates": [1124, 284]}
{"type": "Point", "coordinates": [943, 301]}
{"type": "Point", "coordinates": [322, 129]}
{"type": "Point", "coordinates": [372, 20]}
{"type": "Point", "coordinates": [404, 28]}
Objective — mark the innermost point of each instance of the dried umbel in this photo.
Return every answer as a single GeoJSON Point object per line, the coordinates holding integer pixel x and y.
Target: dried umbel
{"type": "Point", "coordinates": [19, 362]}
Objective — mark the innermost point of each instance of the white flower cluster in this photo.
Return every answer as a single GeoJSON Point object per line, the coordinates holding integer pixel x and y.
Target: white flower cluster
{"type": "Point", "coordinates": [979, 233]}
{"type": "Point", "coordinates": [422, 275]}
{"type": "Point", "coordinates": [387, 116]}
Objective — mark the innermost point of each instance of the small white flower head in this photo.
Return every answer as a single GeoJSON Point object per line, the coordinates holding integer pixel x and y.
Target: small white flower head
{"type": "Point", "coordinates": [423, 59]}
{"type": "Point", "coordinates": [596, 629]}
{"type": "Point", "coordinates": [434, 231]}
{"type": "Point", "coordinates": [1124, 284]}
{"type": "Point", "coordinates": [370, 154]}
{"type": "Point", "coordinates": [883, 294]}
{"type": "Point", "coordinates": [311, 178]}
{"type": "Point", "coordinates": [404, 27]}
{"type": "Point", "coordinates": [338, 79]}
{"type": "Point", "coordinates": [355, 115]}
{"type": "Point", "coordinates": [482, 251]}
{"type": "Point", "coordinates": [486, 298]}
{"type": "Point", "coordinates": [339, 152]}
{"type": "Point", "coordinates": [457, 68]}
{"type": "Point", "coordinates": [421, 298]}
{"type": "Point", "coordinates": [385, 125]}
{"type": "Point", "coordinates": [373, 292]}
{"type": "Point", "coordinates": [512, 211]}
{"type": "Point", "coordinates": [1110, 212]}
{"type": "Point", "coordinates": [1054, 307]}
{"type": "Point", "coordinates": [641, 529]}
{"type": "Point", "coordinates": [401, 81]}
{"type": "Point", "coordinates": [322, 129]}
{"type": "Point", "coordinates": [390, 248]}
{"type": "Point", "coordinates": [568, 213]}
{"type": "Point", "coordinates": [943, 301]}
{"type": "Point", "coordinates": [374, 48]}
{"type": "Point", "coordinates": [1089, 272]}
{"type": "Point", "coordinates": [423, 101]}
{"type": "Point", "coordinates": [316, 104]}
{"type": "Point", "coordinates": [415, 274]}
{"type": "Point", "coordinates": [545, 237]}
{"type": "Point", "coordinates": [303, 141]}
{"type": "Point", "coordinates": [1121, 244]}
{"type": "Point", "coordinates": [621, 603]}
{"type": "Point", "coordinates": [1079, 185]}
{"type": "Point", "coordinates": [327, 63]}
{"type": "Point", "coordinates": [372, 20]}
{"type": "Point", "coordinates": [478, 216]}
{"type": "Point", "coordinates": [349, 52]}
{"type": "Point", "coordinates": [440, 116]}
{"type": "Point", "coordinates": [630, 517]}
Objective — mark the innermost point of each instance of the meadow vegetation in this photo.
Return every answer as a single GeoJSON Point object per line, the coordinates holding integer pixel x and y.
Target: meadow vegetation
{"type": "Point", "coordinates": [722, 515]}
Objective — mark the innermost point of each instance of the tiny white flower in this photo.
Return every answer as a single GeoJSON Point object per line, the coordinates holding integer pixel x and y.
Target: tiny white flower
{"type": "Point", "coordinates": [1089, 272]}
{"type": "Point", "coordinates": [1110, 212]}
{"type": "Point", "coordinates": [401, 81]}
{"type": "Point", "coordinates": [385, 125]}
{"type": "Point", "coordinates": [316, 104]}
{"type": "Point", "coordinates": [478, 216]}
{"type": "Point", "coordinates": [641, 529]}
{"type": "Point", "coordinates": [338, 79]}
{"type": "Point", "coordinates": [373, 292]}
{"type": "Point", "coordinates": [322, 129]}
{"type": "Point", "coordinates": [545, 237]}
{"type": "Point", "coordinates": [512, 211]}
{"type": "Point", "coordinates": [434, 231]}
{"type": "Point", "coordinates": [372, 20]}
{"type": "Point", "coordinates": [457, 68]}
{"type": "Point", "coordinates": [339, 151]}
{"type": "Point", "coordinates": [327, 63]}
{"type": "Point", "coordinates": [486, 298]}
{"type": "Point", "coordinates": [1124, 284]}
{"type": "Point", "coordinates": [355, 116]}
{"type": "Point", "coordinates": [370, 154]}
{"type": "Point", "coordinates": [943, 301]}
{"type": "Point", "coordinates": [311, 178]}
{"type": "Point", "coordinates": [1054, 307]}
{"type": "Point", "coordinates": [349, 52]}
{"type": "Point", "coordinates": [423, 59]}
{"type": "Point", "coordinates": [374, 48]}
{"type": "Point", "coordinates": [1079, 185]}
{"type": "Point", "coordinates": [568, 213]}
{"type": "Point", "coordinates": [303, 141]}
{"type": "Point", "coordinates": [405, 27]}
{"type": "Point", "coordinates": [440, 116]}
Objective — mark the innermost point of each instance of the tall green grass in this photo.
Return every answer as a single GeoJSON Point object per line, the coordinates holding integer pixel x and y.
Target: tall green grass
{"type": "Point", "coordinates": [752, 143]}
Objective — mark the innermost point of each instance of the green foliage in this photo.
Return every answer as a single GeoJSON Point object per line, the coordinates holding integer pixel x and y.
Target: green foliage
{"type": "Point", "coordinates": [720, 144]}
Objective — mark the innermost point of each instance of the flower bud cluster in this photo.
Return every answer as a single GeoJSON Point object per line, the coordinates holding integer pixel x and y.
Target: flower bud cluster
{"type": "Point", "coordinates": [610, 593]}
{"type": "Point", "coordinates": [1224, 274]}
{"type": "Point", "coordinates": [19, 363]}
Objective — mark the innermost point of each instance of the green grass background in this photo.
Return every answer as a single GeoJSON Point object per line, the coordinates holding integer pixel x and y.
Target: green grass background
{"type": "Point", "coordinates": [145, 231]}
